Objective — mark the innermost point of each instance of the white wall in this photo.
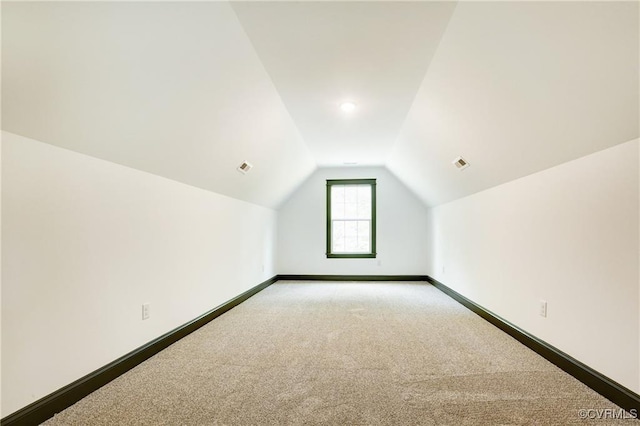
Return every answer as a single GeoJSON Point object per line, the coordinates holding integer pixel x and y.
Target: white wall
{"type": "Point", "coordinates": [568, 235]}
{"type": "Point", "coordinates": [86, 242]}
{"type": "Point", "coordinates": [401, 239]}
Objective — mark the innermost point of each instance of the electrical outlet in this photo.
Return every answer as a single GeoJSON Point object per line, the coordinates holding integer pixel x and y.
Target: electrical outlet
{"type": "Point", "coordinates": [379, 262]}
{"type": "Point", "coordinates": [443, 269]}
{"type": "Point", "coordinates": [145, 310]}
{"type": "Point", "coordinates": [543, 308]}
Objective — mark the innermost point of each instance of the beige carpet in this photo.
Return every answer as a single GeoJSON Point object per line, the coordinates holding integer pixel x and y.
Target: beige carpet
{"type": "Point", "coordinates": [343, 354]}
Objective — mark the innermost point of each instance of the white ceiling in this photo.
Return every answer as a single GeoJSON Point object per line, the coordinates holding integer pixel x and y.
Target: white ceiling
{"type": "Point", "coordinates": [189, 90]}
{"type": "Point", "coordinates": [174, 89]}
{"type": "Point", "coordinates": [319, 54]}
{"type": "Point", "coordinates": [516, 88]}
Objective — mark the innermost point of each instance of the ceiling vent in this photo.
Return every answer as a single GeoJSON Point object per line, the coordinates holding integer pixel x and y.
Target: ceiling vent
{"type": "Point", "coordinates": [460, 163]}
{"type": "Point", "coordinates": [244, 167]}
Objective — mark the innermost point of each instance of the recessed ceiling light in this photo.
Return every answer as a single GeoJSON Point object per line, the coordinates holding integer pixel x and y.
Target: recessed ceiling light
{"type": "Point", "coordinates": [347, 106]}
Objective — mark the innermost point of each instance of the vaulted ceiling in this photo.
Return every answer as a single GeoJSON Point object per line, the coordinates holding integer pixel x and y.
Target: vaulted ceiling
{"type": "Point", "coordinates": [189, 90]}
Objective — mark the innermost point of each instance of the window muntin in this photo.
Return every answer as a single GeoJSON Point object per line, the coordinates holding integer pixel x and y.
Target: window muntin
{"type": "Point", "coordinates": [351, 223]}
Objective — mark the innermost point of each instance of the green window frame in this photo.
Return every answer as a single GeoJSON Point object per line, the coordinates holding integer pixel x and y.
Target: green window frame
{"type": "Point", "coordinates": [359, 221]}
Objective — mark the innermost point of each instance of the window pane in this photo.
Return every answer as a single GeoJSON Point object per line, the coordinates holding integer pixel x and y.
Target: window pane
{"type": "Point", "coordinates": [337, 193]}
{"type": "Point", "coordinates": [350, 211]}
{"type": "Point", "coordinates": [351, 202]}
{"type": "Point", "coordinates": [337, 209]}
{"type": "Point", "coordinates": [364, 232]}
{"type": "Point", "coordinates": [337, 202]}
{"type": "Point", "coordinates": [364, 202]}
{"type": "Point", "coordinates": [351, 236]}
{"type": "Point", "coordinates": [337, 236]}
{"type": "Point", "coordinates": [351, 244]}
{"type": "Point", "coordinates": [350, 193]}
{"type": "Point", "coordinates": [351, 229]}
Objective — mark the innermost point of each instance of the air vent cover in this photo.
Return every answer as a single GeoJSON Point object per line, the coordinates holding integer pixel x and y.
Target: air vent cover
{"type": "Point", "coordinates": [244, 167]}
{"type": "Point", "coordinates": [460, 163]}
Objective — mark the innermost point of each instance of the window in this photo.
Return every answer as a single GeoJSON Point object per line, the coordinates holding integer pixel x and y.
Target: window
{"type": "Point", "coordinates": [351, 218]}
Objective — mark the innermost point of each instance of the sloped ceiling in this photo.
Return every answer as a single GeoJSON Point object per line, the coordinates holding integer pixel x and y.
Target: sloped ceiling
{"type": "Point", "coordinates": [518, 87]}
{"type": "Point", "coordinates": [189, 90]}
{"type": "Point", "coordinates": [175, 89]}
{"type": "Point", "coordinates": [319, 54]}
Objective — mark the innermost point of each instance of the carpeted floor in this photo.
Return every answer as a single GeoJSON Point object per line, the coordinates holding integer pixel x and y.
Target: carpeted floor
{"type": "Point", "coordinates": [343, 354]}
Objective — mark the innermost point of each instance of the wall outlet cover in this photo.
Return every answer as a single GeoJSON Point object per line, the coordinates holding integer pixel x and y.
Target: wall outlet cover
{"type": "Point", "coordinates": [145, 311]}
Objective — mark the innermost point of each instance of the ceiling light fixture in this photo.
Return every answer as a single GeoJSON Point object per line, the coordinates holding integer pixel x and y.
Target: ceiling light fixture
{"type": "Point", "coordinates": [347, 106]}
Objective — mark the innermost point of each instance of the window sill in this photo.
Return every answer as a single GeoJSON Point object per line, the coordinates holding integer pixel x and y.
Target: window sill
{"type": "Point", "coordinates": [351, 255]}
